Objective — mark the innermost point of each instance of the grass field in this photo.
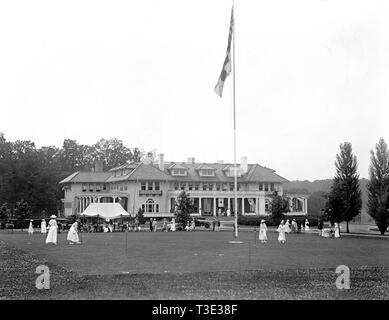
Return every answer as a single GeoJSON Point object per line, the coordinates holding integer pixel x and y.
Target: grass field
{"type": "Point", "coordinates": [193, 265]}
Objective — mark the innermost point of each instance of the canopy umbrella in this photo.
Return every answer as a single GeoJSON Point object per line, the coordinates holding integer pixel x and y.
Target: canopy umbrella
{"type": "Point", "coordinates": [105, 210]}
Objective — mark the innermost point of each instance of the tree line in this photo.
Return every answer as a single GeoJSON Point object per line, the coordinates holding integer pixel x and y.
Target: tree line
{"type": "Point", "coordinates": [29, 175]}
{"type": "Point", "coordinates": [344, 201]}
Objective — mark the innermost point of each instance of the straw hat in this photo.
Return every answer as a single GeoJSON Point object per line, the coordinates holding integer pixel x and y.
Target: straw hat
{"type": "Point", "coordinates": [53, 216]}
{"type": "Point", "coordinates": [263, 221]}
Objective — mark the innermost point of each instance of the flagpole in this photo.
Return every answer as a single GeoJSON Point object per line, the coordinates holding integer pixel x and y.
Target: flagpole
{"type": "Point", "coordinates": [233, 90]}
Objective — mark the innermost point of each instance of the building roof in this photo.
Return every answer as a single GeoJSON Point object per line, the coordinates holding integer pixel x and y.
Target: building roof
{"type": "Point", "coordinates": [259, 173]}
{"type": "Point", "coordinates": [87, 177]}
{"type": "Point", "coordinates": [151, 171]}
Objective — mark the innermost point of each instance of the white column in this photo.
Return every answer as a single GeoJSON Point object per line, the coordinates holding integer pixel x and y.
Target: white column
{"type": "Point", "coordinates": [214, 206]}
{"type": "Point", "coordinates": [200, 209]}
{"type": "Point", "coordinates": [242, 206]}
{"type": "Point", "coordinates": [228, 206]}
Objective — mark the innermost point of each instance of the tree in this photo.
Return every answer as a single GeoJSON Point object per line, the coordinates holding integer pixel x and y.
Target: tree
{"type": "Point", "coordinates": [22, 211]}
{"type": "Point", "coordinates": [140, 216]}
{"type": "Point", "coordinates": [4, 212]}
{"type": "Point", "coordinates": [113, 153]}
{"type": "Point", "coordinates": [378, 187]}
{"type": "Point", "coordinates": [184, 207]}
{"type": "Point", "coordinates": [279, 206]}
{"type": "Point", "coordinates": [344, 199]}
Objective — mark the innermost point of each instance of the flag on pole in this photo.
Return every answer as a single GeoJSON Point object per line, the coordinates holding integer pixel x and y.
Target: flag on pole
{"type": "Point", "coordinates": [227, 62]}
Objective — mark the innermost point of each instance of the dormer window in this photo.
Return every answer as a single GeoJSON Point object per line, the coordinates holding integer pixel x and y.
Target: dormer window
{"type": "Point", "coordinates": [178, 172]}
{"type": "Point", "coordinates": [207, 173]}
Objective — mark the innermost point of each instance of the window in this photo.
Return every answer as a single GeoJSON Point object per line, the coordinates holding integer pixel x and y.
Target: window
{"type": "Point", "coordinates": [121, 187]}
{"type": "Point", "coordinates": [205, 186]}
{"type": "Point", "coordinates": [232, 187]}
{"type": "Point", "coordinates": [143, 185]}
{"type": "Point", "coordinates": [197, 186]}
{"type": "Point", "coordinates": [271, 186]}
{"type": "Point", "coordinates": [91, 187]}
{"type": "Point", "coordinates": [84, 187]}
{"type": "Point", "coordinates": [104, 186]}
{"type": "Point", "coordinates": [210, 186]}
{"type": "Point", "coordinates": [268, 187]}
{"type": "Point", "coordinates": [150, 205]}
{"type": "Point", "coordinates": [149, 185]}
{"type": "Point", "coordinates": [224, 186]}
{"type": "Point", "coordinates": [182, 186]}
{"type": "Point", "coordinates": [207, 172]}
{"type": "Point", "coordinates": [98, 187]}
{"type": "Point", "coordinates": [179, 172]}
{"type": "Point", "coordinates": [190, 186]}
{"type": "Point", "coordinates": [218, 186]}
{"type": "Point", "coordinates": [267, 205]}
{"type": "Point", "coordinates": [125, 187]}
{"type": "Point", "coordinates": [156, 185]}
{"type": "Point", "coordinates": [176, 186]}
{"type": "Point", "coordinates": [261, 187]}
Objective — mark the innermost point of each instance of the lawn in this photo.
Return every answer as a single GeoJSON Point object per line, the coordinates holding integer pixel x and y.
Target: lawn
{"type": "Point", "coordinates": [193, 265]}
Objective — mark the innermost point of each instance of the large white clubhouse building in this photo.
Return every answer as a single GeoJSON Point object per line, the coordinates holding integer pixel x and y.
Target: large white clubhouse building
{"type": "Point", "coordinates": [155, 186]}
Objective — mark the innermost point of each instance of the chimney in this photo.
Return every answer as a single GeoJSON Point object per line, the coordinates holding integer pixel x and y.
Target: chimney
{"type": "Point", "coordinates": [243, 164]}
{"type": "Point", "coordinates": [191, 160]}
{"type": "Point", "coordinates": [99, 167]}
{"type": "Point", "coordinates": [161, 162]}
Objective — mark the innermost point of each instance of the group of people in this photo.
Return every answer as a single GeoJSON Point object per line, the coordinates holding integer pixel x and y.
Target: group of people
{"type": "Point", "coordinates": [52, 230]}
{"type": "Point", "coordinates": [332, 230]}
{"type": "Point", "coordinates": [287, 227]}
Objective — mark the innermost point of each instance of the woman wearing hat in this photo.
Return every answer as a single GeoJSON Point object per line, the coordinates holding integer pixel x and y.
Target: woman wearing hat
{"type": "Point", "coordinates": [31, 228]}
{"type": "Point", "coordinates": [262, 232]}
{"type": "Point", "coordinates": [52, 235]}
{"type": "Point", "coordinates": [43, 226]}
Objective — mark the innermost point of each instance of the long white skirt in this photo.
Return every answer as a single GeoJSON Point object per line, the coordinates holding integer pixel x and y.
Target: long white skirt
{"type": "Point", "coordinates": [262, 235]}
{"type": "Point", "coordinates": [337, 233]}
{"type": "Point", "coordinates": [73, 235]}
{"type": "Point", "coordinates": [43, 228]}
{"type": "Point", "coordinates": [52, 235]}
{"type": "Point", "coordinates": [281, 236]}
{"type": "Point", "coordinates": [30, 230]}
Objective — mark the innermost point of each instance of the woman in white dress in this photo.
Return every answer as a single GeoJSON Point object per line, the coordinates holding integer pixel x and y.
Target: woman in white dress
{"type": "Point", "coordinates": [262, 232]}
{"type": "Point", "coordinates": [287, 226]}
{"type": "Point", "coordinates": [173, 225]}
{"type": "Point", "coordinates": [43, 226]}
{"type": "Point", "coordinates": [337, 230]}
{"type": "Point", "coordinates": [281, 232]}
{"type": "Point", "coordinates": [52, 235]}
{"type": "Point", "coordinates": [31, 228]}
{"type": "Point", "coordinates": [73, 234]}
{"type": "Point", "coordinates": [306, 225]}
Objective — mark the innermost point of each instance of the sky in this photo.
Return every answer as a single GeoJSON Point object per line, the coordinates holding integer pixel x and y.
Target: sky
{"type": "Point", "coordinates": [309, 75]}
